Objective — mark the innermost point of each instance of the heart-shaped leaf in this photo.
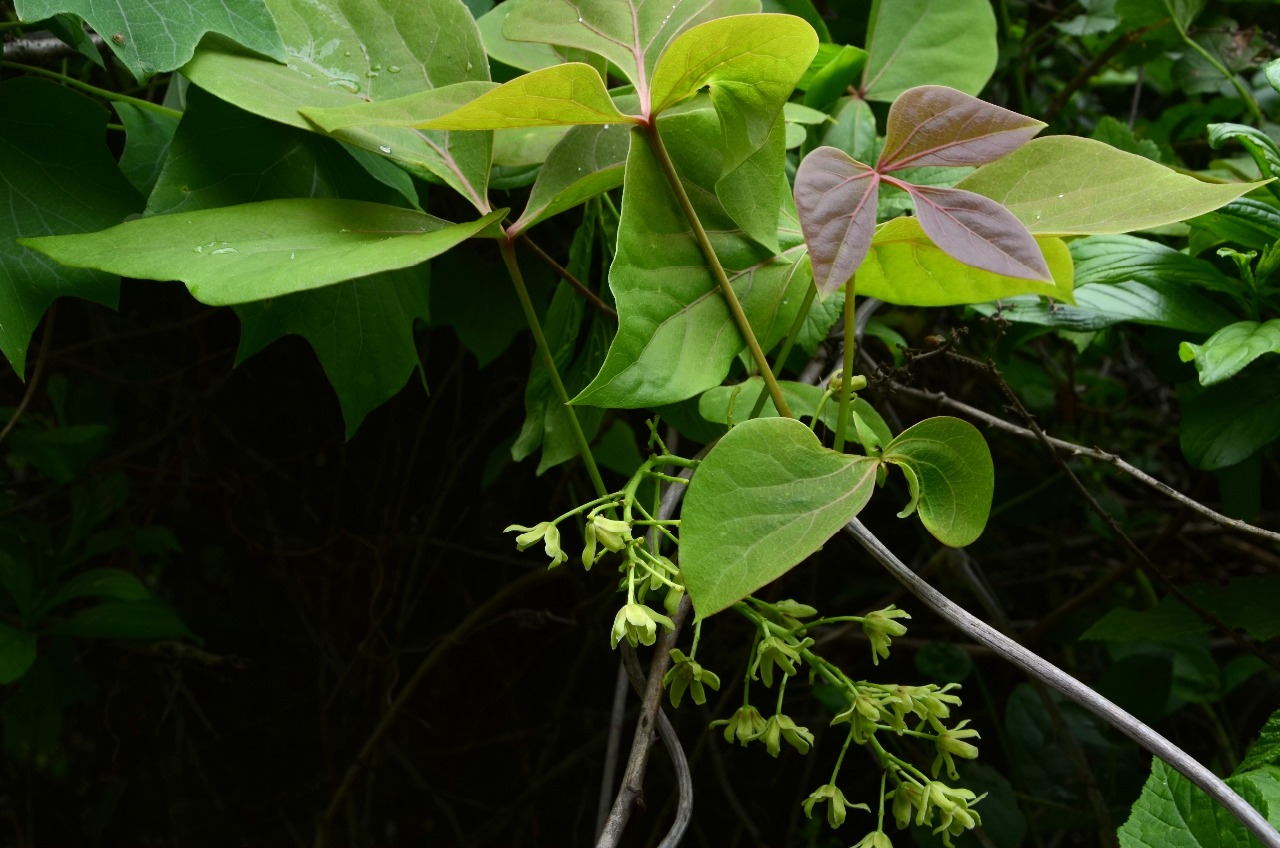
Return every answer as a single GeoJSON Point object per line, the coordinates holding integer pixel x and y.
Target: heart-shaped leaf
{"type": "Point", "coordinates": [936, 125]}
{"type": "Point", "coordinates": [766, 496]}
{"type": "Point", "coordinates": [979, 232]}
{"type": "Point", "coordinates": [836, 199]}
{"type": "Point", "coordinates": [953, 474]}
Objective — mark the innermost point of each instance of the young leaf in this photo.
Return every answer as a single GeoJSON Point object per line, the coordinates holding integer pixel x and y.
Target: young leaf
{"type": "Point", "coordinates": [905, 267]}
{"type": "Point", "coordinates": [836, 200]}
{"type": "Point", "coordinates": [953, 470]}
{"type": "Point", "coordinates": [237, 254]}
{"type": "Point", "coordinates": [349, 53]}
{"type": "Point", "coordinates": [936, 125]}
{"type": "Point", "coordinates": [631, 34]}
{"type": "Point", "coordinates": [766, 497]}
{"type": "Point", "coordinates": [1231, 348]}
{"type": "Point", "coordinates": [676, 337]}
{"type": "Point", "coordinates": [1259, 145]}
{"type": "Point", "coordinates": [751, 63]}
{"type": "Point", "coordinates": [978, 232]}
{"type": "Point", "coordinates": [1063, 185]}
{"type": "Point", "coordinates": [154, 38]}
{"type": "Point", "coordinates": [56, 173]}
{"type": "Point", "coordinates": [929, 42]}
{"type": "Point", "coordinates": [588, 161]}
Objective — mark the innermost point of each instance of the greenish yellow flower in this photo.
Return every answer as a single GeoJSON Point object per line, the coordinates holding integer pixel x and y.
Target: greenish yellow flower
{"type": "Point", "coordinates": [950, 744]}
{"type": "Point", "coordinates": [685, 674]}
{"type": "Point", "coordinates": [874, 839]}
{"type": "Point", "coordinates": [547, 533]}
{"type": "Point", "coordinates": [907, 797]}
{"type": "Point", "coordinates": [836, 804]}
{"type": "Point", "coordinates": [862, 713]}
{"type": "Point", "coordinates": [638, 625]}
{"type": "Point", "coordinates": [744, 725]}
{"type": "Point", "coordinates": [613, 534]}
{"type": "Point", "coordinates": [781, 727]}
{"type": "Point", "coordinates": [880, 628]}
{"type": "Point", "coordinates": [774, 651]}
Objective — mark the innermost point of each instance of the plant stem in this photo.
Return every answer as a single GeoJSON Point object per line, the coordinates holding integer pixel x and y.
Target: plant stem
{"type": "Point", "coordinates": [93, 89]}
{"type": "Point", "coordinates": [549, 362]}
{"type": "Point", "coordinates": [1249, 102]}
{"type": "Point", "coordinates": [794, 333]}
{"type": "Point", "coordinates": [846, 373]}
{"type": "Point", "coordinates": [717, 270]}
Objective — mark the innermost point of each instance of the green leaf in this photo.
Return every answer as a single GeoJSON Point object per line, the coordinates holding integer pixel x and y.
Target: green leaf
{"type": "Point", "coordinates": [1258, 144]}
{"type": "Point", "coordinates": [832, 74]}
{"type": "Point", "coordinates": [853, 130]}
{"type": "Point", "coordinates": [1248, 222]}
{"type": "Point", "coordinates": [631, 34]}
{"type": "Point", "coordinates": [952, 465]}
{"type": "Point", "coordinates": [751, 64]}
{"type": "Point", "coordinates": [929, 42]}
{"type": "Point", "coordinates": [361, 331]}
{"type": "Point", "coordinates": [255, 251]}
{"type": "Point", "coordinates": [1159, 303]}
{"type": "Point", "coordinates": [1165, 622]}
{"type": "Point", "coordinates": [150, 619]}
{"type": "Point", "coordinates": [63, 453]}
{"type": "Point", "coordinates": [150, 38]}
{"type": "Point", "coordinates": [1064, 185]}
{"type": "Point", "coordinates": [522, 55]}
{"type": "Point", "coordinates": [802, 9]}
{"type": "Point", "coordinates": [1118, 135]}
{"type": "Point", "coordinates": [587, 161]}
{"type": "Point", "coordinates": [17, 653]}
{"type": "Point", "coordinates": [56, 174]}
{"type": "Point", "coordinates": [676, 338]}
{"type": "Point", "coordinates": [1272, 72]}
{"type": "Point", "coordinates": [906, 268]}
{"type": "Point", "coordinates": [148, 133]}
{"type": "Point", "coordinates": [766, 497]}
{"type": "Point", "coordinates": [733, 404]}
{"type": "Point", "coordinates": [1173, 813]}
{"type": "Point", "coordinates": [349, 53]}
{"type": "Point", "coordinates": [111, 583]}
{"type": "Point", "coordinates": [1229, 350]}
{"type": "Point", "coordinates": [1226, 424]}
{"type": "Point", "coordinates": [1122, 258]}
{"type": "Point", "coordinates": [1265, 750]}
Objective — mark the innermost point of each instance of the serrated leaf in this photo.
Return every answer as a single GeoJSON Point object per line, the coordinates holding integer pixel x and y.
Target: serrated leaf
{"type": "Point", "coordinates": [1173, 813]}
{"type": "Point", "coordinates": [255, 251]}
{"type": "Point", "coordinates": [1227, 423]}
{"type": "Point", "coordinates": [676, 337]}
{"type": "Point", "coordinates": [154, 38]}
{"type": "Point", "coordinates": [952, 464]}
{"type": "Point", "coordinates": [586, 162]}
{"type": "Point", "coordinates": [631, 34]}
{"type": "Point", "coordinates": [1265, 750]}
{"type": "Point", "coordinates": [150, 619]}
{"type": "Point", "coordinates": [751, 64]}
{"type": "Point", "coordinates": [836, 201]}
{"type": "Point", "coordinates": [56, 173]}
{"type": "Point", "coordinates": [979, 232]}
{"type": "Point", "coordinates": [1118, 135]}
{"type": "Point", "coordinates": [351, 52]}
{"type": "Point", "coordinates": [936, 125]}
{"type": "Point", "coordinates": [1230, 349]}
{"type": "Point", "coordinates": [905, 267]}
{"type": "Point", "coordinates": [766, 497]}
{"type": "Point", "coordinates": [929, 42]}
{"type": "Point", "coordinates": [1064, 185]}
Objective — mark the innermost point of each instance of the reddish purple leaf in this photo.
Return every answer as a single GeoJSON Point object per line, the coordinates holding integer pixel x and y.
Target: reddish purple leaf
{"type": "Point", "coordinates": [978, 231]}
{"type": "Point", "coordinates": [936, 125]}
{"type": "Point", "coordinates": [836, 198]}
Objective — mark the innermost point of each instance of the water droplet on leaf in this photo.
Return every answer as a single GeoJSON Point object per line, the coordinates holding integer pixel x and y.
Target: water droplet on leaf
{"type": "Point", "coordinates": [385, 148]}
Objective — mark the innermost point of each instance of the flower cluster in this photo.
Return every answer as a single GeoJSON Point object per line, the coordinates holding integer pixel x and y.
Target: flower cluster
{"type": "Point", "coordinates": [836, 803]}
{"type": "Point", "coordinates": [954, 807]}
{"type": "Point", "coordinates": [687, 674]}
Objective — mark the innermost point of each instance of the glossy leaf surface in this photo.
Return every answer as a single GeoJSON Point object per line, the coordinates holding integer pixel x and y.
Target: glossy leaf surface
{"type": "Point", "coordinates": [1228, 423]}
{"type": "Point", "coordinates": [676, 337]}
{"type": "Point", "coordinates": [352, 52]}
{"type": "Point", "coordinates": [766, 496]}
{"type": "Point", "coordinates": [905, 267]}
{"type": "Point", "coordinates": [588, 161]}
{"type": "Point", "coordinates": [952, 466]}
{"type": "Point", "coordinates": [237, 254]}
{"type": "Point", "coordinates": [1230, 349]}
{"type": "Point", "coordinates": [929, 42]}
{"type": "Point", "coordinates": [155, 37]}
{"type": "Point", "coordinates": [1064, 185]}
{"type": "Point", "coordinates": [567, 94]}
{"type": "Point", "coordinates": [56, 174]}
